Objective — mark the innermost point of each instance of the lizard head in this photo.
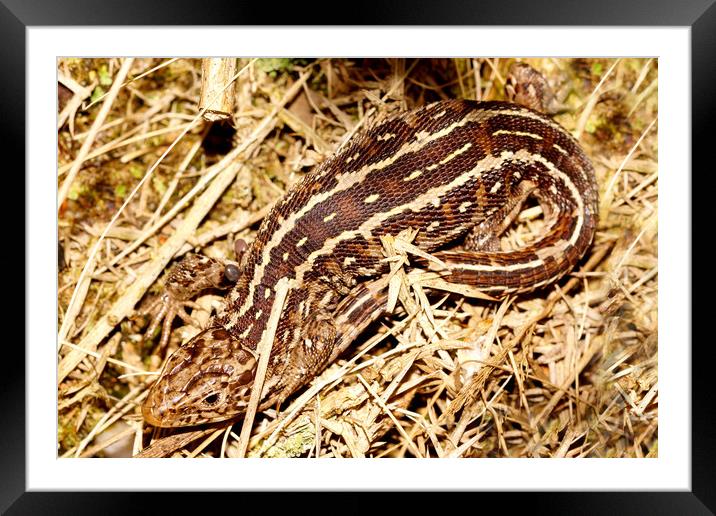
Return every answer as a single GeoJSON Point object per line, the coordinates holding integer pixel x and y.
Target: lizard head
{"type": "Point", "coordinates": [207, 379]}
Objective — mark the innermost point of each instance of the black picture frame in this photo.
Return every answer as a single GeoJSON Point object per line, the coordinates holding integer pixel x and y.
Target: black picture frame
{"type": "Point", "coordinates": [17, 15]}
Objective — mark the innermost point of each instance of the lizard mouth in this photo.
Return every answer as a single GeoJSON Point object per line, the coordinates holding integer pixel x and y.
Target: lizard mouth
{"type": "Point", "coordinates": [153, 415]}
{"type": "Point", "coordinates": [158, 410]}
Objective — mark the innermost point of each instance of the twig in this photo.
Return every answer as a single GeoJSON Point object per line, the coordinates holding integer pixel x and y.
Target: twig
{"type": "Point", "coordinates": [264, 351]}
{"type": "Point", "coordinates": [214, 74]}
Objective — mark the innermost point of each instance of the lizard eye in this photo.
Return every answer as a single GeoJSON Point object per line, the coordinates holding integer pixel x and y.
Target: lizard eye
{"type": "Point", "coordinates": [232, 273]}
{"type": "Point", "coordinates": [212, 399]}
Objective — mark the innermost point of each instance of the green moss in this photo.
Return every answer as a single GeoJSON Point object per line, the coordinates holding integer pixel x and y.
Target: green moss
{"type": "Point", "coordinates": [159, 185]}
{"type": "Point", "coordinates": [296, 444]}
{"type": "Point", "coordinates": [120, 191]}
{"type": "Point", "coordinates": [105, 79]}
{"type": "Point", "coordinates": [136, 171]}
{"type": "Point", "coordinates": [273, 66]}
{"type": "Point", "coordinates": [97, 93]}
{"type": "Point", "coordinates": [76, 190]}
{"type": "Point", "coordinates": [66, 434]}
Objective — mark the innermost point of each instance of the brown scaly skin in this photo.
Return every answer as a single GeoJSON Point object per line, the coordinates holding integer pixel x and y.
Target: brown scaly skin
{"type": "Point", "coordinates": [458, 171]}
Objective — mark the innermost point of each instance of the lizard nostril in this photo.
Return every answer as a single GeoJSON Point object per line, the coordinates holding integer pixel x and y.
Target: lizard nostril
{"type": "Point", "coordinates": [153, 413]}
{"type": "Point", "coordinates": [246, 377]}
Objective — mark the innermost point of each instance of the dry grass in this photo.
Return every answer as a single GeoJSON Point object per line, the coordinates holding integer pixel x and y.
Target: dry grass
{"type": "Point", "coordinates": [570, 371]}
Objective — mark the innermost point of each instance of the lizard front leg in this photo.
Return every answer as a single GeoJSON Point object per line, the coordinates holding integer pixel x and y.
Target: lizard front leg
{"type": "Point", "coordinates": [309, 355]}
{"type": "Point", "coordinates": [193, 274]}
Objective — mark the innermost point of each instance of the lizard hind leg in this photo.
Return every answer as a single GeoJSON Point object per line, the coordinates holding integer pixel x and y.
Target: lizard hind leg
{"type": "Point", "coordinates": [485, 236]}
{"type": "Point", "coordinates": [528, 87]}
